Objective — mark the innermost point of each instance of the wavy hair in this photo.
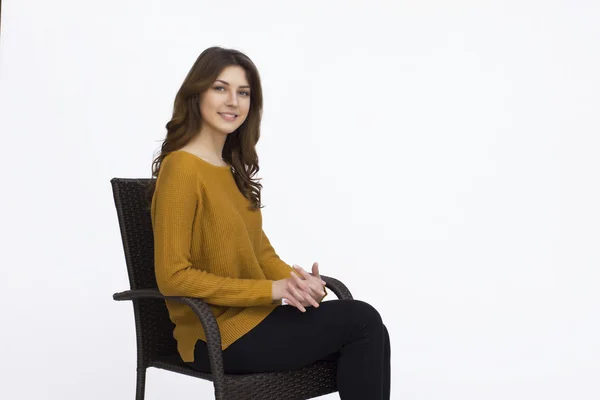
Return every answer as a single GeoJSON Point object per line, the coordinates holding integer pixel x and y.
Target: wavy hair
{"type": "Point", "coordinates": [239, 150]}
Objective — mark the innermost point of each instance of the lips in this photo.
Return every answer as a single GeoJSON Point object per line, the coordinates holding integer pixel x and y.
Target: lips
{"type": "Point", "coordinates": [228, 117]}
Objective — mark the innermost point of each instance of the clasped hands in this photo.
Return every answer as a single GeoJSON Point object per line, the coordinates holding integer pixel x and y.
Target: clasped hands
{"type": "Point", "coordinates": [300, 292]}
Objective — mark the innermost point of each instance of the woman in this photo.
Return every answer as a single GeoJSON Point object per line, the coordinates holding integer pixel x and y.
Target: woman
{"type": "Point", "coordinates": [209, 244]}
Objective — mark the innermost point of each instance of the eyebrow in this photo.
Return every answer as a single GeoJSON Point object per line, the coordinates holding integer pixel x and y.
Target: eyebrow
{"type": "Point", "coordinates": [219, 80]}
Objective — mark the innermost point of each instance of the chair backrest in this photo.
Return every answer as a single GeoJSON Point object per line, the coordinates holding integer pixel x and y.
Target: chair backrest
{"type": "Point", "coordinates": [154, 329]}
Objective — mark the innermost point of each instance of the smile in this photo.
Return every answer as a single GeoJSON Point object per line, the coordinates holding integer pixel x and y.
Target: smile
{"type": "Point", "coordinates": [228, 117]}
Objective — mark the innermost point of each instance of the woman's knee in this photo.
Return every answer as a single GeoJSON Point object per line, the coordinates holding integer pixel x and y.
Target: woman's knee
{"type": "Point", "coordinates": [367, 314]}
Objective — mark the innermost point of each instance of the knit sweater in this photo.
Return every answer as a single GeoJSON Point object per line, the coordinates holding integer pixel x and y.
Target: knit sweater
{"type": "Point", "coordinates": [209, 245]}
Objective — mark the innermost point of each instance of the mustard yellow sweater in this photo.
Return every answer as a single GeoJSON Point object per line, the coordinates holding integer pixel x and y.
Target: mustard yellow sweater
{"type": "Point", "coordinates": [207, 244]}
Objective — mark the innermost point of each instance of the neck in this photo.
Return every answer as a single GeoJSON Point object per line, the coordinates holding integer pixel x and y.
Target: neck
{"type": "Point", "coordinates": [208, 145]}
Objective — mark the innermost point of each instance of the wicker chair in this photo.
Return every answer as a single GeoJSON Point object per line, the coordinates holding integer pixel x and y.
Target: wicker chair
{"type": "Point", "coordinates": [156, 346]}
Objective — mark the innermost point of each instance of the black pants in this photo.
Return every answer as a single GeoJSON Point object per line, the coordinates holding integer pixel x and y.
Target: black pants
{"type": "Point", "coordinates": [350, 331]}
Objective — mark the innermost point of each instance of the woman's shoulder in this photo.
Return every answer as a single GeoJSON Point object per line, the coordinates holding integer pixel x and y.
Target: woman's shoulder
{"type": "Point", "coordinates": [179, 166]}
{"type": "Point", "coordinates": [181, 158]}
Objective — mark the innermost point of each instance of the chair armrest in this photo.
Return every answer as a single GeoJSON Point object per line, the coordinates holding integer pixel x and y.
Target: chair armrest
{"type": "Point", "coordinates": [207, 319]}
{"type": "Point", "coordinates": [337, 287]}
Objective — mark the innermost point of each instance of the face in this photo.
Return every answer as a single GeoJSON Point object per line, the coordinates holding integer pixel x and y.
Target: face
{"type": "Point", "coordinates": [229, 94]}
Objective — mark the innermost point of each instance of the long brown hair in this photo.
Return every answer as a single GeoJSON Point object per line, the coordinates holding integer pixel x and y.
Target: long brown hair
{"type": "Point", "coordinates": [239, 150]}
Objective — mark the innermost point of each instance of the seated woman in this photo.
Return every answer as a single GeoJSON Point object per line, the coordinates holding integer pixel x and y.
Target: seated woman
{"type": "Point", "coordinates": [209, 243]}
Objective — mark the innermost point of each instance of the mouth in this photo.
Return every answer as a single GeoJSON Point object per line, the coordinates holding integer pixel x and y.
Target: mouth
{"type": "Point", "coordinates": [228, 117]}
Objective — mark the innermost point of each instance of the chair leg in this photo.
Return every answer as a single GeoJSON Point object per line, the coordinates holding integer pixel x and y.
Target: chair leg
{"type": "Point", "coordinates": [140, 388]}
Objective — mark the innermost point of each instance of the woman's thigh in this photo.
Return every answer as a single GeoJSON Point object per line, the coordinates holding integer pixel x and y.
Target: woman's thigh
{"type": "Point", "coordinates": [290, 339]}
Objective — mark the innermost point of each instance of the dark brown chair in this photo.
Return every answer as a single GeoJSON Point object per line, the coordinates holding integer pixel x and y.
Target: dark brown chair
{"type": "Point", "coordinates": [156, 346]}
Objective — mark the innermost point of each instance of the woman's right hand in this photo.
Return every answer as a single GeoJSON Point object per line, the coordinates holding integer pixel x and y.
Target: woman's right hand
{"type": "Point", "coordinates": [294, 294]}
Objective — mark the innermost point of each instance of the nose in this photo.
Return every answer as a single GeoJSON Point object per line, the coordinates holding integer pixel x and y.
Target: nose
{"type": "Point", "coordinates": [233, 100]}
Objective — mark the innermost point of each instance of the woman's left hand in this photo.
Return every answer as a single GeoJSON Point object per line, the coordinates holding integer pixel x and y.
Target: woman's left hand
{"type": "Point", "coordinates": [312, 283]}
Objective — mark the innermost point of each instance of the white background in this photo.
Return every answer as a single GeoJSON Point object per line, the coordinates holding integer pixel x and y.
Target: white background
{"type": "Point", "coordinates": [440, 158]}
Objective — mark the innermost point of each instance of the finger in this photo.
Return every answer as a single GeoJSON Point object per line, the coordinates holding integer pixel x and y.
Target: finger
{"type": "Point", "coordinates": [294, 291]}
{"type": "Point", "coordinates": [315, 286]}
{"type": "Point", "coordinates": [321, 292]}
{"type": "Point", "coordinates": [313, 302]}
{"type": "Point", "coordinates": [299, 282]}
{"type": "Point", "coordinates": [296, 304]}
{"type": "Point", "coordinates": [317, 274]}
{"type": "Point", "coordinates": [318, 285]}
{"type": "Point", "coordinates": [306, 293]}
{"type": "Point", "coordinates": [301, 270]}
{"type": "Point", "coordinates": [305, 304]}
{"type": "Point", "coordinates": [309, 300]}
{"type": "Point", "coordinates": [290, 300]}
{"type": "Point", "coordinates": [299, 306]}
{"type": "Point", "coordinates": [307, 297]}
{"type": "Point", "coordinates": [320, 280]}
{"type": "Point", "coordinates": [312, 289]}
{"type": "Point", "coordinates": [317, 290]}
{"type": "Point", "coordinates": [311, 284]}
{"type": "Point", "coordinates": [303, 286]}
{"type": "Point", "coordinates": [297, 296]}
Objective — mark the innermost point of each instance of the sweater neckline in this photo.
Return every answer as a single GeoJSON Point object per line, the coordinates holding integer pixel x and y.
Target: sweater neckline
{"type": "Point", "coordinates": [221, 167]}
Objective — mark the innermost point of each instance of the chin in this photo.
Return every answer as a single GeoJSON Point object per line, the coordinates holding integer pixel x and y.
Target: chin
{"type": "Point", "coordinates": [228, 131]}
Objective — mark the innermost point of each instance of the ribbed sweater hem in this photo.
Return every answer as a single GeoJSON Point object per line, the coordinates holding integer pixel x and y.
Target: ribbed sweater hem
{"type": "Point", "coordinates": [231, 330]}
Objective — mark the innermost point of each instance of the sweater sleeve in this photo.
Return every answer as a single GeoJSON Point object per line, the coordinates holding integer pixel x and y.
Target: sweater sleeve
{"type": "Point", "coordinates": [272, 265]}
{"type": "Point", "coordinates": [177, 203]}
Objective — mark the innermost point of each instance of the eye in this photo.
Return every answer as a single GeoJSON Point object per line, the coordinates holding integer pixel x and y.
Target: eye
{"type": "Point", "coordinates": [222, 87]}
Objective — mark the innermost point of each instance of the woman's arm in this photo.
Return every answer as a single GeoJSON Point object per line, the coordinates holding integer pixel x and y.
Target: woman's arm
{"type": "Point", "coordinates": [176, 200]}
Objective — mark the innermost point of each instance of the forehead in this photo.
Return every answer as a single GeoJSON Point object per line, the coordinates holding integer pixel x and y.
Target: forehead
{"type": "Point", "coordinates": [234, 75]}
